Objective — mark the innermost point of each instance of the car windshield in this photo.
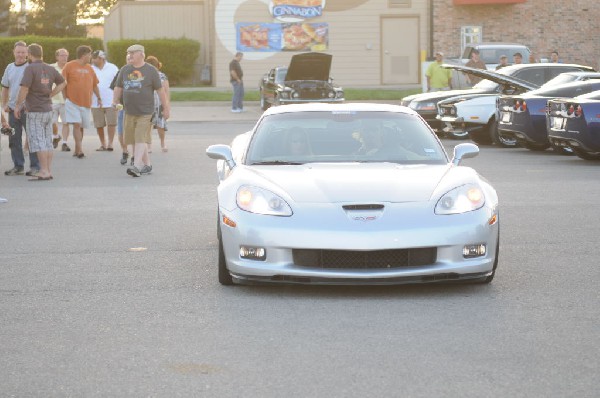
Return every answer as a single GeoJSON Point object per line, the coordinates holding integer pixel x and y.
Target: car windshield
{"type": "Point", "coordinates": [280, 75]}
{"type": "Point", "coordinates": [344, 136]}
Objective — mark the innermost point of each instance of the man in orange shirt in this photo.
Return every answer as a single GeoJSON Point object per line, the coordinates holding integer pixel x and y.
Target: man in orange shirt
{"type": "Point", "coordinates": [81, 83]}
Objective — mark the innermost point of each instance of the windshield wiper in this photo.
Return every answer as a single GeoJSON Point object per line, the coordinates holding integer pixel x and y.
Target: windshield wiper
{"type": "Point", "coordinates": [275, 162]}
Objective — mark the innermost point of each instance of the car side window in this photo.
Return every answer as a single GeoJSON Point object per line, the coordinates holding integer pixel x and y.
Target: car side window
{"type": "Point", "coordinates": [553, 72]}
{"type": "Point", "coordinates": [532, 75]}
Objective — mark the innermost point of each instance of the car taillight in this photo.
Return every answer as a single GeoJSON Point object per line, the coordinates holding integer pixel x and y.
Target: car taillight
{"type": "Point", "coordinates": [522, 106]}
{"type": "Point", "coordinates": [570, 110]}
{"type": "Point", "coordinates": [578, 111]}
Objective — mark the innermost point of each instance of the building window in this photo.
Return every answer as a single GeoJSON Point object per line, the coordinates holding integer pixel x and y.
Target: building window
{"type": "Point", "coordinates": [469, 35]}
{"type": "Point", "coordinates": [399, 3]}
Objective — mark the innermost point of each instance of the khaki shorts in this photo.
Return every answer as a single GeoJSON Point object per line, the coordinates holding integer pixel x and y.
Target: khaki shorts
{"type": "Point", "coordinates": [138, 129]}
{"type": "Point", "coordinates": [104, 117]}
{"type": "Point", "coordinates": [78, 114]}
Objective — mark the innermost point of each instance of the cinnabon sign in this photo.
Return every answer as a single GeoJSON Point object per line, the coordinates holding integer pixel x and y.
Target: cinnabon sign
{"type": "Point", "coordinates": [296, 10]}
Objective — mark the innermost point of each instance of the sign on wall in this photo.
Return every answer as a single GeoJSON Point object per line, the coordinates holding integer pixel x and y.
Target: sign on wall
{"type": "Point", "coordinates": [296, 10]}
{"type": "Point", "coordinates": [273, 37]}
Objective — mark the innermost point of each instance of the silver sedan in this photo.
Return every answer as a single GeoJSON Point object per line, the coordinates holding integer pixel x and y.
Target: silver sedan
{"type": "Point", "coordinates": [351, 194]}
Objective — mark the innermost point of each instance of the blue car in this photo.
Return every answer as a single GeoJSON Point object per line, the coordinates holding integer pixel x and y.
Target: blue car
{"type": "Point", "coordinates": [575, 123]}
{"type": "Point", "coordinates": [523, 117]}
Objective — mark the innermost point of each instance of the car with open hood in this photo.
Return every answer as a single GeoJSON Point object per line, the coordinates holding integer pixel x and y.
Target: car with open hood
{"type": "Point", "coordinates": [575, 123]}
{"type": "Point", "coordinates": [351, 194]}
{"type": "Point", "coordinates": [523, 117]}
{"type": "Point", "coordinates": [474, 115]}
{"type": "Point", "coordinates": [306, 79]}
{"type": "Point", "coordinates": [425, 104]}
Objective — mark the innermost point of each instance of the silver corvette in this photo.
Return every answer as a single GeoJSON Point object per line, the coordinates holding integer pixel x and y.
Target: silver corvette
{"type": "Point", "coordinates": [351, 194]}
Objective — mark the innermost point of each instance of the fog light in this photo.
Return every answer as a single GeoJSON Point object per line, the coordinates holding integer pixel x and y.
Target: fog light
{"type": "Point", "coordinates": [470, 251]}
{"type": "Point", "coordinates": [253, 253]}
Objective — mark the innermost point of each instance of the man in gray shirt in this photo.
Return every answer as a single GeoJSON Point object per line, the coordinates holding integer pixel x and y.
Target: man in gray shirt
{"type": "Point", "coordinates": [136, 82]}
{"type": "Point", "coordinates": [11, 83]}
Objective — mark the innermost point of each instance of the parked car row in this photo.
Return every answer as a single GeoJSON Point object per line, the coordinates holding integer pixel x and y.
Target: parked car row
{"type": "Point", "coordinates": [509, 108]}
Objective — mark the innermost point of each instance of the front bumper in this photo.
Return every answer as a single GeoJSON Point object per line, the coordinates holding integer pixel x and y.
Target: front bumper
{"type": "Point", "coordinates": [327, 227]}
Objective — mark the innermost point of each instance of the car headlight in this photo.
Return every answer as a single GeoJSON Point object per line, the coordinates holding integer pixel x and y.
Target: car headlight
{"type": "Point", "coordinates": [261, 201]}
{"type": "Point", "coordinates": [295, 94]}
{"type": "Point", "coordinates": [422, 106]}
{"type": "Point", "coordinates": [463, 199]}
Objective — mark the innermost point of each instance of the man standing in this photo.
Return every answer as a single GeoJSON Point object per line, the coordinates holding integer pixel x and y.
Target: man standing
{"type": "Point", "coordinates": [36, 91]}
{"type": "Point", "coordinates": [503, 62]}
{"type": "Point", "coordinates": [554, 57]}
{"type": "Point", "coordinates": [105, 114]}
{"type": "Point", "coordinates": [518, 58]}
{"type": "Point", "coordinates": [438, 78]}
{"type": "Point", "coordinates": [11, 81]}
{"type": "Point", "coordinates": [137, 82]}
{"type": "Point", "coordinates": [236, 74]}
{"type": "Point", "coordinates": [81, 83]}
{"type": "Point", "coordinates": [58, 105]}
{"type": "Point", "coordinates": [476, 63]}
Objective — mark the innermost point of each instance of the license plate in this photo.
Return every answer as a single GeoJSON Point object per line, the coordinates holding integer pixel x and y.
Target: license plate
{"type": "Point", "coordinates": [558, 123]}
{"type": "Point", "coordinates": [505, 117]}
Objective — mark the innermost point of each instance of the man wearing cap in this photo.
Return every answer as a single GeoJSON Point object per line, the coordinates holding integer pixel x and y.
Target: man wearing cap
{"type": "Point", "coordinates": [438, 78]}
{"type": "Point", "coordinates": [476, 63]}
{"type": "Point", "coordinates": [137, 82]}
{"type": "Point", "coordinates": [503, 62]}
{"type": "Point", "coordinates": [103, 113]}
{"type": "Point", "coordinates": [81, 83]}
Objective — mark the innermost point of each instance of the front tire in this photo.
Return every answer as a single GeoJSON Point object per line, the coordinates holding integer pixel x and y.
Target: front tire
{"type": "Point", "coordinates": [224, 275]}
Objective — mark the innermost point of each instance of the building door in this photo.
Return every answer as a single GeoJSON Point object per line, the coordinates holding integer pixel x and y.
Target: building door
{"type": "Point", "coordinates": [400, 50]}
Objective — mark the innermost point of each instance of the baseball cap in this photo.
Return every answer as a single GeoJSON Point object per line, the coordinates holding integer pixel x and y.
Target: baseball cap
{"type": "Point", "coordinates": [135, 47]}
{"type": "Point", "coordinates": [99, 54]}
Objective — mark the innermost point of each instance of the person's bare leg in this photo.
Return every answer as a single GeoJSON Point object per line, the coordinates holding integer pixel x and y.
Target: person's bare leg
{"type": "Point", "coordinates": [140, 152]}
{"type": "Point", "coordinates": [161, 135]}
{"type": "Point", "coordinates": [100, 131]}
{"type": "Point", "coordinates": [65, 132]}
{"type": "Point", "coordinates": [78, 135]}
{"type": "Point", "coordinates": [111, 135]}
{"type": "Point", "coordinates": [43, 159]}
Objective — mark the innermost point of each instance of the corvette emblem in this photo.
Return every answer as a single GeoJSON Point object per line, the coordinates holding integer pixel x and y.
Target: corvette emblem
{"type": "Point", "coordinates": [364, 219]}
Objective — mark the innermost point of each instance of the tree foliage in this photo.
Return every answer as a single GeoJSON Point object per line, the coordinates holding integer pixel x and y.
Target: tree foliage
{"type": "Point", "coordinates": [59, 17]}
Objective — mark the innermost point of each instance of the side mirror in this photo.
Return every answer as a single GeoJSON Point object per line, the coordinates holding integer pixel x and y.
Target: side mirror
{"type": "Point", "coordinates": [221, 152]}
{"type": "Point", "coordinates": [464, 151]}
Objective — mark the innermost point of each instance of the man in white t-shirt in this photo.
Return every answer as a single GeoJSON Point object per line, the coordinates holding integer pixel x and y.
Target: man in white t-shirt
{"type": "Point", "coordinates": [104, 114]}
{"type": "Point", "coordinates": [58, 104]}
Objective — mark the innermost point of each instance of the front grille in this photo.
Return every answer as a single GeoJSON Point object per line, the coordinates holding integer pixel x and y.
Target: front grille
{"type": "Point", "coordinates": [313, 94]}
{"type": "Point", "coordinates": [352, 259]}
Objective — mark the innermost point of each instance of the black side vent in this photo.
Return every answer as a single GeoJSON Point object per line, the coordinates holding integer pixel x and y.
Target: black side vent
{"type": "Point", "coordinates": [363, 207]}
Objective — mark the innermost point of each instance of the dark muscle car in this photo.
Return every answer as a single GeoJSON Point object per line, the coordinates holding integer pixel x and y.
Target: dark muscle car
{"type": "Point", "coordinates": [306, 79]}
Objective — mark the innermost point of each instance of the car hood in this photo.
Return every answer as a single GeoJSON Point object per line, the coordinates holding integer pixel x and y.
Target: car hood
{"type": "Point", "coordinates": [309, 66]}
{"type": "Point", "coordinates": [494, 76]}
{"type": "Point", "coordinates": [440, 95]}
{"type": "Point", "coordinates": [350, 182]}
{"type": "Point", "coordinates": [465, 97]}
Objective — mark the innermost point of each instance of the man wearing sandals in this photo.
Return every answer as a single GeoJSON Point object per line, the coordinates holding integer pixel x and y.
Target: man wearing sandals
{"type": "Point", "coordinates": [103, 113]}
{"type": "Point", "coordinates": [36, 93]}
{"type": "Point", "coordinates": [137, 82]}
{"type": "Point", "coordinates": [81, 83]}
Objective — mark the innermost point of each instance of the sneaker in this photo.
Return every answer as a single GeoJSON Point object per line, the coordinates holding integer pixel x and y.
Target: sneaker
{"type": "Point", "coordinates": [55, 141]}
{"type": "Point", "coordinates": [124, 159]}
{"type": "Point", "coordinates": [133, 171]}
{"type": "Point", "coordinates": [15, 171]}
{"type": "Point", "coordinates": [32, 173]}
{"type": "Point", "coordinates": [65, 148]}
{"type": "Point", "coordinates": [146, 170]}
{"type": "Point", "coordinates": [236, 110]}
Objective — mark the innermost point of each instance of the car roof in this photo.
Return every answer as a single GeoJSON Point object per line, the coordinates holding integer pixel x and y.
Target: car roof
{"type": "Point", "coordinates": [339, 107]}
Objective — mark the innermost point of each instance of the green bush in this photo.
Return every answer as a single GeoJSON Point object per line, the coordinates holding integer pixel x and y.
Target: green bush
{"type": "Point", "coordinates": [177, 55]}
{"type": "Point", "coordinates": [49, 44]}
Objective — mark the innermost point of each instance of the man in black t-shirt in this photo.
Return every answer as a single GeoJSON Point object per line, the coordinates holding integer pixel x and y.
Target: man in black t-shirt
{"type": "Point", "coordinates": [236, 74]}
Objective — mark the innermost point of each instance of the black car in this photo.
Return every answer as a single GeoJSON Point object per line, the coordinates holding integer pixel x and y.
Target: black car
{"type": "Point", "coordinates": [425, 104]}
{"type": "Point", "coordinates": [523, 117]}
{"type": "Point", "coordinates": [305, 80]}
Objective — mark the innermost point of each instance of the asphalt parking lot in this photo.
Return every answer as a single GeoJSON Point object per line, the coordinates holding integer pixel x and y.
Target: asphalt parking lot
{"type": "Point", "coordinates": [108, 288]}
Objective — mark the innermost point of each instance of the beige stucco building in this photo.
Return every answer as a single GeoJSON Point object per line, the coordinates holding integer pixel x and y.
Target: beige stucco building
{"type": "Point", "coordinates": [373, 42]}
